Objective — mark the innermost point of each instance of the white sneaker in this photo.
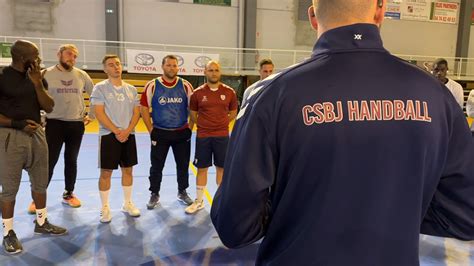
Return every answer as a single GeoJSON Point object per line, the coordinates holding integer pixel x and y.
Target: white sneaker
{"type": "Point", "coordinates": [105, 216]}
{"type": "Point", "coordinates": [131, 209]}
{"type": "Point", "coordinates": [196, 206]}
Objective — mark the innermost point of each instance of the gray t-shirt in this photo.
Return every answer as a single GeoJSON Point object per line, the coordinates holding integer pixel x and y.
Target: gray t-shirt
{"type": "Point", "coordinates": [66, 88]}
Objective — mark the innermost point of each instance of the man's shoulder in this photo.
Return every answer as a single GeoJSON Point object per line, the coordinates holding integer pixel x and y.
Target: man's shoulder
{"type": "Point", "coordinates": [1, 73]}
{"type": "Point", "coordinates": [102, 84]}
{"type": "Point", "coordinates": [129, 86]}
{"type": "Point", "coordinates": [51, 69]}
{"type": "Point", "coordinates": [80, 72]}
{"type": "Point", "coordinates": [200, 89]}
{"type": "Point", "coordinates": [7, 71]}
{"type": "Point", "coordinates": [151, 83]}
{"type": "Point", "coordinates": [227, 88]}
{"type": "Point", "coordinates": [454, 83]}
{"type": "Point", "coordinates": [185, 81]}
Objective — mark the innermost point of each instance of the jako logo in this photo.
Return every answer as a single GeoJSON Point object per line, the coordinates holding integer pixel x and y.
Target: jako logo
{"type": "Point", "coordinates": [164, 100]}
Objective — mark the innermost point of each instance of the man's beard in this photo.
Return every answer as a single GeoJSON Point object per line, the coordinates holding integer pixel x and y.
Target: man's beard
{"type": "Point", "coordinates": [170, 76]}
{"type": "Point", "coordinates": [65, 65]}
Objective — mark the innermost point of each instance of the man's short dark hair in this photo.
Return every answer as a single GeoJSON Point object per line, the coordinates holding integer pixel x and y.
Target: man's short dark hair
{"type": "Point", "coordinates": [170, 56]}
{"type": "Point", "coordinates": [440, 61]}
{"type": "Point", "coordinates": [265, 61]}
{"type": "Point", "coordinates": [109, 56]}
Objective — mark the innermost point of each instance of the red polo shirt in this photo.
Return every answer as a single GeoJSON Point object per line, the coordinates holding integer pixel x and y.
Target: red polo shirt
{"type": "Point", "coordinates": [213, 107]}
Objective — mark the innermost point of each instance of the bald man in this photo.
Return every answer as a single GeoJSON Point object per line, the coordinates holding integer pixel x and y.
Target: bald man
{"type": "Point", "coordinates": [23, 143]}
{"type": "Point", "coordinates": [339, 161]}
{"type": "Point", "coordinates": [212, 106]}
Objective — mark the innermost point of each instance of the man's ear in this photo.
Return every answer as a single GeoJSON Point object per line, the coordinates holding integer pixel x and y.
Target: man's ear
{"type": "Point", "coordinates": [380, 12]}
{"type": "Point", "coordinates": [312, 17]}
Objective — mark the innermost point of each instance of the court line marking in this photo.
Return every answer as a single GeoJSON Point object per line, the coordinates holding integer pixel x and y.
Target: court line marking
{"type": "Point", "coordinates": [206, 192]}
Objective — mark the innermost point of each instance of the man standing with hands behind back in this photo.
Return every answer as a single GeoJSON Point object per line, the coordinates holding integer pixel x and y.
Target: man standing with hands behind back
{"type": "Point", "coordinates": [66, 123]}
{"type": "Point", "coordinates": [213, 106]}
{"type": "Point", "coordinates": [168, 97]}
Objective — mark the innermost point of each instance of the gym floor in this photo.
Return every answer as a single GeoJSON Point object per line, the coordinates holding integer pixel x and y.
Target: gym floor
{"type": "Point", "coordinates": [163, 236]}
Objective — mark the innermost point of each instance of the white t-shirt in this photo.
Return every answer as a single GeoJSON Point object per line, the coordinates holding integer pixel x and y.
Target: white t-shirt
{"type": "Point", "coordinates": [470, 107]}
{"type": "Point", "coordinates": [457, 91]}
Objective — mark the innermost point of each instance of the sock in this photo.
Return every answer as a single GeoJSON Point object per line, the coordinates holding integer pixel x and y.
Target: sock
{"type": "Point", "coordinates": [200, 192]}
{"type": "Point", "coordinates": [41, 215]}
{"type": "Point", "coordinates": [127, 194]}
{"type": "Point", "coordinates": [7, 226]}
{"type": "Point", "coordinates": [67, 194]}
{"type": "Point", "coordinates": [104, 197]}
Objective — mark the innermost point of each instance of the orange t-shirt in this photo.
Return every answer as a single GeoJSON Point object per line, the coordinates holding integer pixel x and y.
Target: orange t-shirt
{"type": "Point", "coordinates": [213, 107]}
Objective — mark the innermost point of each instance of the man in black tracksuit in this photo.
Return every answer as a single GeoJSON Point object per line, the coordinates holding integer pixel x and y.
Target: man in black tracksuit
{"type": "Point", "coordinates": [346, 158]}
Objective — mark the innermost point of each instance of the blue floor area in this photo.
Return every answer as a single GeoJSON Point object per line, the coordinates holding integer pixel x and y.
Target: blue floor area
{"type": "Point", "coordinates": [163, 236]}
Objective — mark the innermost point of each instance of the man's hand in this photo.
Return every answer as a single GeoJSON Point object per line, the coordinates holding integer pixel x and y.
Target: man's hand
{"type": "Point", "coordinates": [31, 127]}
{"type": "Point", "coordinates": [35, 74]}
{"type": "Point", "coordinates": [122, 135]}
{"type": "Point", "coordinates": [87, 120]}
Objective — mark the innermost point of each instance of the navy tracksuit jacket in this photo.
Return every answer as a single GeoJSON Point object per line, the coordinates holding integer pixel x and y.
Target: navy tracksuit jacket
{"type": "Point", "coordinates": [345, 159]}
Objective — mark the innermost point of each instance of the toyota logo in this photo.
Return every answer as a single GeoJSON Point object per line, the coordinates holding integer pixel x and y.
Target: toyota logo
{"type": "Point", "coordinates": [144, 59]}
{"type": "Point", "coordinates": [201, 61]}
{"type": "Point", "coordinates": [180, 60]}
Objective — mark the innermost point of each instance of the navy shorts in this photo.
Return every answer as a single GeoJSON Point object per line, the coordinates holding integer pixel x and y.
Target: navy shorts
{"type": "Point", "coordinates": [207, 148]}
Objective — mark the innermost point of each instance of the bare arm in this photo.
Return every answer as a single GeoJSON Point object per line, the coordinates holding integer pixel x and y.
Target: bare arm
{"type": "Point", "coordinates": [145, 111]}
{"type": "Point", "coordinates": [232, 115]}
{"type": "Point", "coordinates": [135, 118]}
{"type": "Point", "coordinates": [5, 121]}
{"type": "Point", "coordinates": [28, 126]}
{"type": "Point", "coordinates": [104, 119]}
{"type": "Point", "coordinates": [45, 100]}
{"type": "Point", "coordinates": [193, 117]}
{"type": "Point", "coordinates": [191, 123]}
{"type": "Point", "coordinates": [88, 87]}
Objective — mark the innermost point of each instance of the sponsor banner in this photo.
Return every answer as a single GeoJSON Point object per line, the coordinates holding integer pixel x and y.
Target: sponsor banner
{"type": "Point", "coordinates": [445, 12]}
{"type": "Point", "coordinates": [393, 10]}
{"type": "Point", "coordinates": [5, 61]}
{"type": "Point", "coordinates": [5, 48]}
{"type": "Point", "coordinates": [214, 2]}
{"type": "Point", "coordinates": [423, 10]}
{"type": "Point", "coordinates": [472, 17]}
{"type": "Point", "coordinates": [416, 10]}
{"type": "Point", "coordinates": [149, 62]}
{"type": "Point", "coordinates": [5, 55]}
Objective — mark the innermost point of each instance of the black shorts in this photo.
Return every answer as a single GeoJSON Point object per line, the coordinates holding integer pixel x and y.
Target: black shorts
{"type": "Point", "coordinates": [113, 153]}
{"type": "Point", "coordinates": [206, 148]}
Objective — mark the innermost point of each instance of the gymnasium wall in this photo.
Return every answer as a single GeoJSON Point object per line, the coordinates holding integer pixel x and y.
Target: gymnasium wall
{"type": "Point", "coordinates": [280, 25]}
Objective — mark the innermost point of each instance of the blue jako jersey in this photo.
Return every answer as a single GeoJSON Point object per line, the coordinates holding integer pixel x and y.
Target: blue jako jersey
{"type": "Point", "coordinates": [345, 158]}
{"type": "Point", "coordinates": [170, 105]}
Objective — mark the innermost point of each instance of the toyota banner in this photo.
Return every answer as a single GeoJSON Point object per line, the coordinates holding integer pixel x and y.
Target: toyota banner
{"type": "Point", "coordinates": [149, 62]}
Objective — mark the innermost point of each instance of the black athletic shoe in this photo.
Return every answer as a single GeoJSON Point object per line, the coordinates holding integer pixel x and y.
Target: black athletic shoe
{"type": "Point", "coordinates": [11, 243]}
{"type": "Point", "coordinates": [153, 202]}
{"type": "Point", "coordinates": [184, 197]}
{"type": "Point", "coordinates": [49, 229]}
{"type": "Point", "coordinates": [67, 194]}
